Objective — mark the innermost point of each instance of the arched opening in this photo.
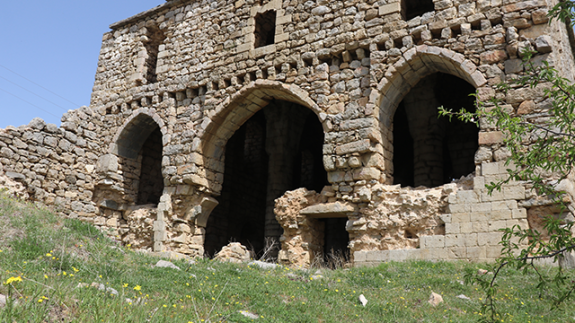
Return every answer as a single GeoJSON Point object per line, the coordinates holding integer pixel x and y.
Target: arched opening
{"type": "Point", "coordinates": [155, 38]}
{"type": "Point", "coordinates": [139, 148]}
{"type": "Point", "coordinates": [413, 8]}
{"type": "Point", "coordinates": [278, 149]}
{"type": "Point", "coordinates": [431, 151]}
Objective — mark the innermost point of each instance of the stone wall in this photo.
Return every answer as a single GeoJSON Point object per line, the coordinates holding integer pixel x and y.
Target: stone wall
{"type": "Point", "coordinates": [56, 165]}
{"type": "Point", "coordinates": [193, 72]}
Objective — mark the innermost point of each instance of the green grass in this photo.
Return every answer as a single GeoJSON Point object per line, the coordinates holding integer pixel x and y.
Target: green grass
{"type": "Point", "coordinates": [54, 256]}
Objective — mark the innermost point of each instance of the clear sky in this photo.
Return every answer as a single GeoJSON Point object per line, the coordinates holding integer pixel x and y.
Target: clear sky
{"type": "Point", "coordinates": [49, 53]}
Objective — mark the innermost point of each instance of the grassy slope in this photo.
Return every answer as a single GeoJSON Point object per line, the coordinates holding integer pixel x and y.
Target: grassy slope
{"type": "Point", "coordinates": [53, 256]}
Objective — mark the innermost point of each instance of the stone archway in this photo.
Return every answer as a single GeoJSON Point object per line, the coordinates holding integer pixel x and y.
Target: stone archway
{"type": "Point", "coordinates": [131, 174]}
{"type": "Point", "coordinates": [279, 148]}
{"type": "Point", "coordinates": [404, 75]}
{"type": "Point", "coordinates": [429, 150]}
{"type": "Point", "coordinates": [239, 117]}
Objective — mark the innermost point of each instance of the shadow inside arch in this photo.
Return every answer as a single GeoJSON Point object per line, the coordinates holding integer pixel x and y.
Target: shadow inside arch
{"type": "Point", "coordinates": [243, 105]}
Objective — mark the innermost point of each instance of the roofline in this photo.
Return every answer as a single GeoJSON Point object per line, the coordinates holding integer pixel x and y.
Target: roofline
{"type": "Point", "coordinates": [147, 13]}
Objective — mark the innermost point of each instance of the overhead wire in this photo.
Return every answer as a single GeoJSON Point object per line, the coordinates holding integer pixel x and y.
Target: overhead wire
{"type": "Point", "coordinates": [56, 94]}
{"type": "Point", "coordinates": [41, 97]}
{"type": "Point", "coordinates": [32, 104]}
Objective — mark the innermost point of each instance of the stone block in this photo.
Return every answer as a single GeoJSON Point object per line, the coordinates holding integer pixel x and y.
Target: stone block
{"type": "Point", "coordinates": [452, 228]}
{"type": "Point", "coordinates": [490, 138]}
{"type": "Point", "coordinates": [519, 213]}
{"type": "Point", "coordinates": [464, 227]}
{"type": "Point", "coordinates": [470, 239]}
{"type": "Point", "coordinates": [460, 217]}
{"type": "Point", "coordinates": [514, 192]}
{"type": "Point", "coordinates": [389, 8]}
{"type": "Point", "coordinates": [454, 240]}
{"type": "Point", "coordinates": [436, 241]}
{"type": "Point", "coordinates": [467, 197]}
{"type": "Point", "coordinates": [495, 226]}
{"type": "Point", "coordinates": [283, 20]}
{"type": "Point", "coordinates": [359, 146]}
{"type": "Point", "coordinates": [328, 210]}
{"type": "Point", "coordinates": [494, 196]}
{"type": "Point", "coordinates": [262, 51]}
{"type": "Point", "coordinates": [377, 255]}
{"type": "Point", "coordinates": [366, 173]}
{"type": "Point", "coordinates": [496, 215]}
{"type": "Point", "coordinates": [397, 255]}
{"type": "Point", "coordinates": [489, 238]}
{"type": "Point", "coordinates": [281, 37]}
{"type": "Point", "coordinates": [481, 207]}
{"type": "Point", "coordinates": [520, 222]}
{"type": "Point", "coordinates": [458, 208]}
{"type": "Point", "coordinates": [513, 66]}
{"type": "Point", "coordinates": [359, 256]}
{"type": "Point", "coordinates": [479, 183]}
{"type": "Point", "coordinates": [480, 226]}
{"type": "Point", "coordinates": [457, 253]}
{"type": "Point", "coordinates": [492, 252]}
{"type": "Point", "coordinates": [476, 253]}
{"type": "Point", "coordinates": [534, 31]}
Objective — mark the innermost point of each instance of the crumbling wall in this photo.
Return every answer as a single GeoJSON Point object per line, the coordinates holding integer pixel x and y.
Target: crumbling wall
{"type": "Point", "coordinates": [56, 165]}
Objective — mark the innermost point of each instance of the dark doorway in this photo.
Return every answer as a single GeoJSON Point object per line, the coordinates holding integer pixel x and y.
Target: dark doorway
{"type": "Point", "coordinates": [428, 150]}
{"type": "Point", "coordinates": [336, 239]}
{"type": "Point", "coordinates": [278, 149]}
{"type": "Point", "coordinates": [151, 184]}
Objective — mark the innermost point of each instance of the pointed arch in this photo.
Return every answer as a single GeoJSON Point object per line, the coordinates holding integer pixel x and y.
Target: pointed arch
{"type": "Point", "coordinates": [416, 64]}
{"type": "Point", "coordinates": [233, 112]}
{"type": "Point", "coordinates": [132, 135]}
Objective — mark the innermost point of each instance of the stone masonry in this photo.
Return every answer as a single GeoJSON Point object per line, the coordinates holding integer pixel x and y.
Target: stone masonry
{"type": "Point", "coordinates": [348, 154]}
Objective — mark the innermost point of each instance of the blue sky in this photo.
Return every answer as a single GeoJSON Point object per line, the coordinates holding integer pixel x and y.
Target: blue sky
{"type": "Point", "coordinates": [49, 54]}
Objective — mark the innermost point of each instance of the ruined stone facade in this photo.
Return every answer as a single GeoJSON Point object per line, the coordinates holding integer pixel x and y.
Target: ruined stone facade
{"type": "Point", "coordinates": [307, 123]}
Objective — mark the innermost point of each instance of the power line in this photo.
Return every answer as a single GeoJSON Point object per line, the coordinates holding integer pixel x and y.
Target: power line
{"type": "Point", "coordinates": [37, 107]}
{"type": "Point", "coordinates": [63, 98]}
{"type": "Point", "coordinates": [25, 89]}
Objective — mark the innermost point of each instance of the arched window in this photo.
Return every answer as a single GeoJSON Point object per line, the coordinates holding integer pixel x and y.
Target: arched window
{"type": "Point", "coordinates": [155, 38]}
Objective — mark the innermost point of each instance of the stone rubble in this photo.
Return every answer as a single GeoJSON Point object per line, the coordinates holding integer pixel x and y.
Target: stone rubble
{"type": "Point", "coordinates": [234, 252]}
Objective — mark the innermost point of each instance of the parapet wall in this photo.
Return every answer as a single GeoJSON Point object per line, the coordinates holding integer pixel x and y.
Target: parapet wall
{"type": "Point", "coordinates": [188, 75]}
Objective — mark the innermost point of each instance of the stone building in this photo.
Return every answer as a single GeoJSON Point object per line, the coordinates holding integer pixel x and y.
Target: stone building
{"type": "Point", "coordinates": [311, 123]}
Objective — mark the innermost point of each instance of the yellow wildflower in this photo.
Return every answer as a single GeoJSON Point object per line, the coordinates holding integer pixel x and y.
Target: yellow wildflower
{"type": "Point", "coordinates": [12, 280]}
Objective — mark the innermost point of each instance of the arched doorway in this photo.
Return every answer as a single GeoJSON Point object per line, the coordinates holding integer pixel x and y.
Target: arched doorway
{"type": "Point", "coordinates": [430, 150]}
{"type": "Point", "coordinates": [278, 149]}
{"type": "Point", "coordinates": [139, 149]}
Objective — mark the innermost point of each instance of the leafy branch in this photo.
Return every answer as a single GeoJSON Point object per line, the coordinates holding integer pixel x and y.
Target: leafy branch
{"type": "Point", "coordinates": [542, 152]}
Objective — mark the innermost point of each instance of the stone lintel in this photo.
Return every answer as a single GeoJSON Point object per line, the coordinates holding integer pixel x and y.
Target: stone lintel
{"type": "Point", "coordinates": [328, 210]}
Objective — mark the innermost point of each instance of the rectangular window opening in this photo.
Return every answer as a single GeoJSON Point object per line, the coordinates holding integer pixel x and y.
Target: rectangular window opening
{"type": "Point", "coordinates": [265, 29]}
